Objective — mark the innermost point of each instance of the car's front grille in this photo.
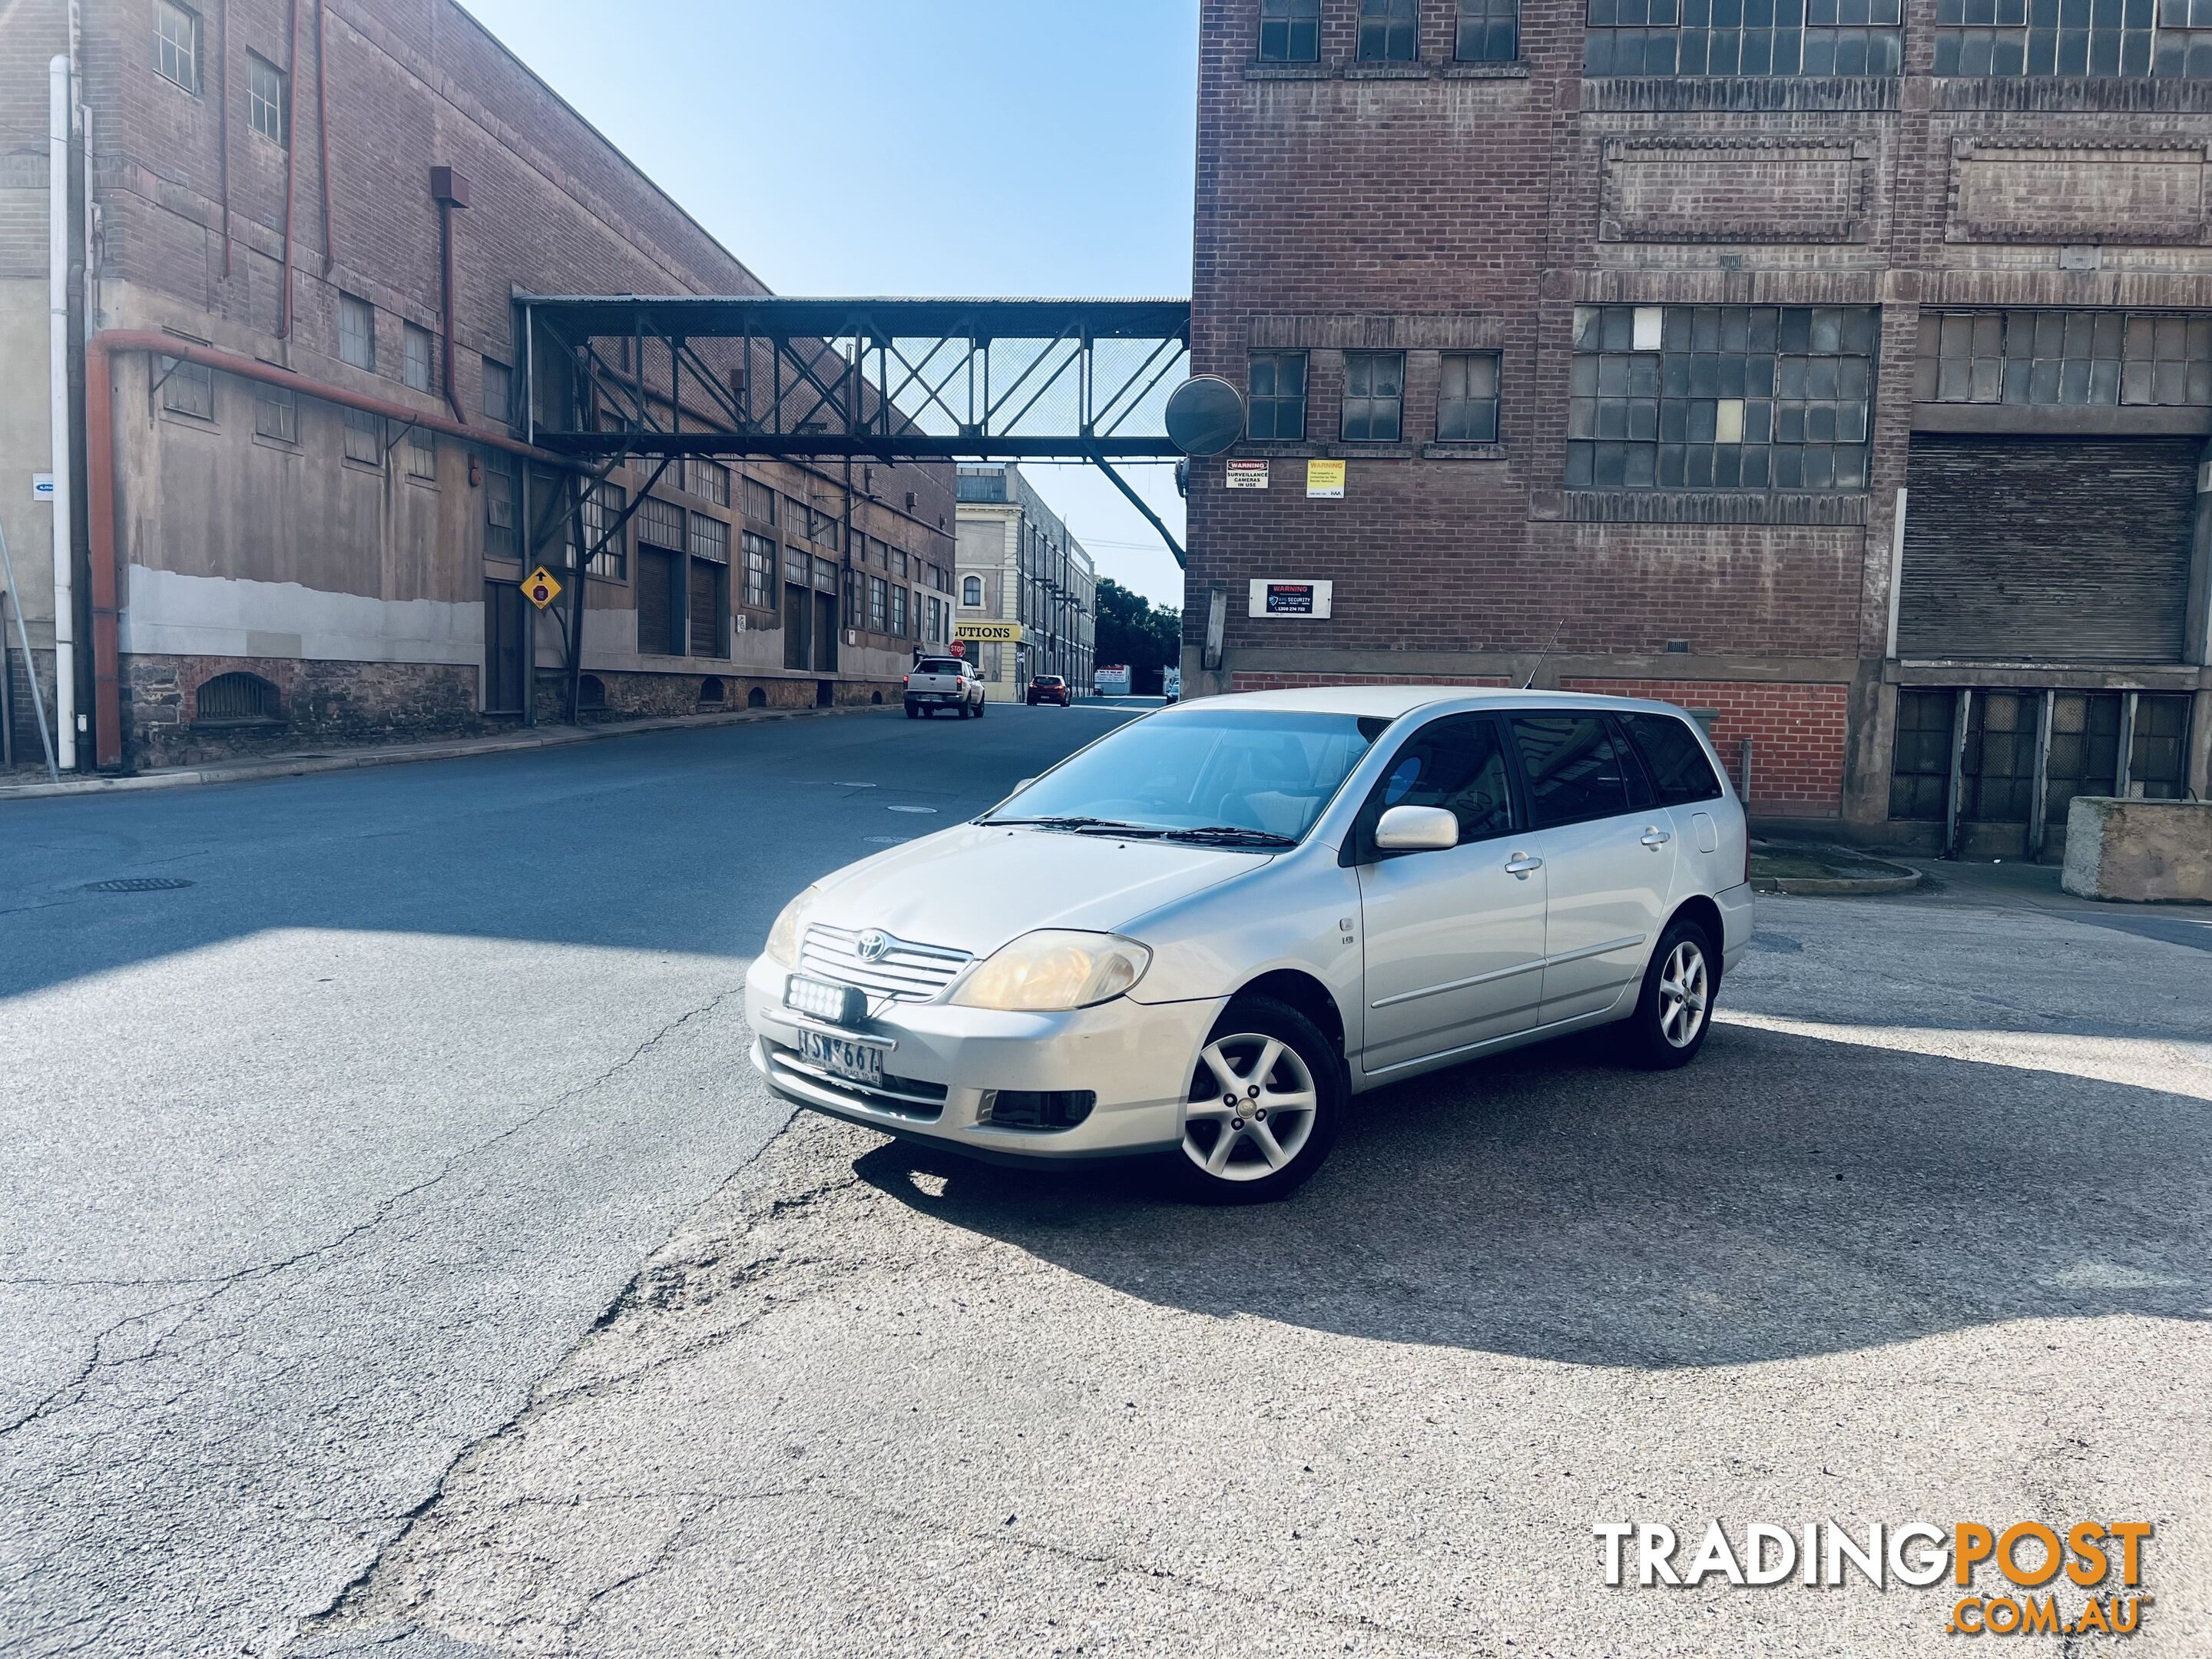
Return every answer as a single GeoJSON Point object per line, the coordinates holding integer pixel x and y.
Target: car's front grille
{"type": "Point", "coordinates": [897, 971]}
{"type": "Point", "coordinates": [903, 1097]}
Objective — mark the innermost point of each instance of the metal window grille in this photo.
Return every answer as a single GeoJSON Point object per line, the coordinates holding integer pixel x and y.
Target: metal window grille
{"type": "Point", "coordinates": [1744, 37]}
{"type": "Point", "coordinates": [1374, 397]}
{"type": "Point", "coordinates": [879, 604]}
{"type": "Point", "coordinates": [760, 501]}
{"type": "Point", "coordinates": [364, 438]}
{"type": "Point", "coordinates": [660, 523]}
{"type": "Point", "coordinates": [1276, 400]}
{"type": "Point", "coordinates": [2172, 38]}
{"type": "Point", "coordinates": [603, 505]}
{"type": "Point", "coordinates": [1290, 31]}
{"type": "Point", "coordinates": [498, 390]}
{"type": "Point", "coordinates": [501, 541]}
{"type": "Point", "coordinates": [421, 454]}
{"type": "Point", "coordinates": [1489, 32]}
{"type": "Point", "coordinates": [2078, 357]}
{"type": "Point", "coordinates": [1389, 31]}
{"type": "Point", "coordinates": [187, 388]}
{"type": "Point", "coordinates": [266, 106]}
{"type": "Point", "coordinates": [1720, 397]}
{"type": "Point", "coordinates": [710, 538]}
{"type": "Point", "coordinates": [276, 414]}
{"type": "Point", "coordinates": [760, 572]}
{"type": "Point", "coordinates": [357, 332]}
{"type": "Point", "coordinates": [709, 480]}
{"type": "Point", "coordinates": [898, 611]}
{"type": "Point", "coordinates": [235, 696]}
{"type": "Point", "coordinates": [1467, 397]}
{"type": "Point", "coordinates": [2085, 750]}
{"type": "Point", "coordinates": [177, 44]}
{"type": "Point", "coordinates": [1920, 757]}
{"type": "Point", "coordinates": [418, 357]}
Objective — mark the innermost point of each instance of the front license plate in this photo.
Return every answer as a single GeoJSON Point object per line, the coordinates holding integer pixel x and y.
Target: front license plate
{"type": "Point", "coordinates": [857, 1062]}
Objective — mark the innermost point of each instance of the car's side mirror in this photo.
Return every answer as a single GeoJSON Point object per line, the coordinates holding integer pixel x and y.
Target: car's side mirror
{"type": "Point", "coordinates": [1416, 829]}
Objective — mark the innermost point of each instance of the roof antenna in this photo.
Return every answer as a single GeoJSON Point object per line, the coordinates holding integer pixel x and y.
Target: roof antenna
{"type": "Point", "coordinates": [1540, 655]}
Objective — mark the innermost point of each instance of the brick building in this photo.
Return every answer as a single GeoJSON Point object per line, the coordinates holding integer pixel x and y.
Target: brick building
{"type": "Point", "coordinates": [1839, 371]}
{"type": "Point", "coordinates": [312, 512]}
{"type": "Point", "coordinates": [1018, 563]}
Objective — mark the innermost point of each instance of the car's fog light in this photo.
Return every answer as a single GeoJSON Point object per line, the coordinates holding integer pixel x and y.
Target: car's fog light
{"type": "Point", "coordinates": [1033, 1108]}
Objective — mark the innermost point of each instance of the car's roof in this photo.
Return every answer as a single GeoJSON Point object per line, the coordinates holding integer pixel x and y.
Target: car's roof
{"type": "Point", "coordinates": [1390, 701]}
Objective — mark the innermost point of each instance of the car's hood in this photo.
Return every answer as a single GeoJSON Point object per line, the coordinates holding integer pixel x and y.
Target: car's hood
{"type": "Point", "coordinates": [974, 887]}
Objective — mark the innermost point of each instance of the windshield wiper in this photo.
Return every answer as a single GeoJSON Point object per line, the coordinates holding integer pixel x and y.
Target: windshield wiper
{"type": "Point", "coordinates": [1115, 824]}
{"type": "Point", "coordinates": [1228, 834]}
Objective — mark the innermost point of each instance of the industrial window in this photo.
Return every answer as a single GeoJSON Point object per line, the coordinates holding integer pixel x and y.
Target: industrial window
{"type": "Point", "coordinates": [1467, 397]}
{"type": "Point", "coordinates": [1374, 397]}
{"type": "Point", "coordinates": [899, 563]}
{"type": "Point", "coordinates": [418, 361]}
{"type": "Point", "coordinates": [660, 523]}
{"type": "Point", "coordinates": [276, 414]}
{"type": "Point", "coordinates": [2074, 36]}
{"type": "Point", "coordinates": [177, 44]}
{"type": "Point", "coordinates": [1745, 37]}
{"type": "Point", "coordinates": [603, 507]}
{"type": "Point", "coordinates": [1389, 31]}
{"type": "Point", "coordinates": [1277, 399]}
{"type": "Point", "coordinates": [825, 574]}
{"type": "Point", "coordinates": [2157, 758]}
{"type": "Point", "coordinates": [898, 611]}
{"type": "Point", "coordinates": [2082, 357]}
{"type": "Point", "coordinates": [794, 517]}
{"type": "Point", "coordinates": [501, 541]}
{"type": "Point", "coordinates": [364, 438]}
{"type": "Point", "coordinates": [971, 590]}
{"type": "Point", "coordinates": [421, 454]}
{"type": "Point", "coordinates": [989, 486]}
{"type": "Point", "coordinates": [265, 105]}
{"type": "Point", "coordinates": [797, 565]}
{"type": "Point", "coordinates": [709, 480]}
{"type": "Point", "coordinates": [1489, 32]}
{"type": "Point", "coordinates": [760, 572]}
{"type": "Point", "coordinates": [710, 538]}
{"type": "Point", "coordinates": [498, 390]}
{"type": "Point", "coordinates": [760, 501]}
{"type": "Point", "coordinates": [2085, 749]}
{"type": "Point", "coordinates": [1720, 397]}
{"type": "Point", "coordinates": [1997, 770]}
{"type": "Point", "coordinates": [1290, 31]}
{"type": "Point", "coordinates": [187, 388]}
{"type": "Point", "coordinates": [357, 332]}
{"type": "Point", "coordinates": [878, 605]}
{"type": "Point", "coordinates": [1920, 757]}
{"type": "Point", "coordinates": [823, 526]}
{"type": "Point", "coordinates": [236, 699]}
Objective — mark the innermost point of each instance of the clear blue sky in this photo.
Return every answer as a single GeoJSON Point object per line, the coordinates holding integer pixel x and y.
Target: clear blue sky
{"type": "Point", "coordinates": [912, 147]}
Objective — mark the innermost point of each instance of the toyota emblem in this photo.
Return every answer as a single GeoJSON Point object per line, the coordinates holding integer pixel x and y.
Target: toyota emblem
{"type": "Point", "coordinates": [875, 945]}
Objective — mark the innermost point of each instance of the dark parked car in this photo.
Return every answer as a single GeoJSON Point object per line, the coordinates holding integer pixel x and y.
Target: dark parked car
{"type": "Point", "coordinates": [1051, 688]}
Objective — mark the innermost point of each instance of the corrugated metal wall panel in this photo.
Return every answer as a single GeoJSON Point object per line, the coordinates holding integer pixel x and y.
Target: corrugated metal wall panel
{"type": "Point", "coordinates": [2047, 549]}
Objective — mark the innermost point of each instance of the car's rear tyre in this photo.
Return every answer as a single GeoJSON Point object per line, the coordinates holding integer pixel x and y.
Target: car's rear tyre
{"type": "Point", "coordinates": [963, 708]}
{"type": "Point", "coordinates": [913, 712]}
{"type": "Point", "coordinates": [1674, 1011]}
{"type": "Point", "coordinates": [1262, 1110]}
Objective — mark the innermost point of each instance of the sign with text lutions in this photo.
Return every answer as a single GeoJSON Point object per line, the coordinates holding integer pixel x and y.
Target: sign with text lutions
{"type": "Point", "coordinates": [1003, 633]}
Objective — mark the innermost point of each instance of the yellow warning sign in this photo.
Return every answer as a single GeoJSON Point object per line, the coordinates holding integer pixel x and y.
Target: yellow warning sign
{"type": "Point", "coordinates": [540, 588]}
{"type": "Point", "coordinates": [1325, 480]}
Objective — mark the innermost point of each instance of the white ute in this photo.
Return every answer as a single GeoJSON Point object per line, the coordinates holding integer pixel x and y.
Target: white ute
{"type": "Point", "coordinates": [943, 683]}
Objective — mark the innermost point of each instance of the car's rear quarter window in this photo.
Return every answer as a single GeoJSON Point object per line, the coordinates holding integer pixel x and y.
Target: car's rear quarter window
{"type": "Point", "coordinates": [1674, 758]}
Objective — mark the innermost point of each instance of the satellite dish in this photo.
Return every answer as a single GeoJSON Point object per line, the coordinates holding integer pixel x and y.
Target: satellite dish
{"type": "Point", "coordinates": [1205, 416]}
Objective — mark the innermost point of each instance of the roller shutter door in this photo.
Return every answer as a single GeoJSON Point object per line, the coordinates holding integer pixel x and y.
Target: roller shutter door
{"type": "Point", "coordinates": [2045, 549]}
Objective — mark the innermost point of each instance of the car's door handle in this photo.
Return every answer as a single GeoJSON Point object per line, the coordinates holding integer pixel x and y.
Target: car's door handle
{"type": "Point", "coordinates": [1654, 838]}
{"type": "Point", "coordinates": [1522, 864]}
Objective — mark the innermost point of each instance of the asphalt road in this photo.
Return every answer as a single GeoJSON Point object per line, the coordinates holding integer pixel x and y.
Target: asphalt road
{"type": "Point", "coordinates": [408, 1266]}
{"type": "Point", "coordinates": [315, 1166]}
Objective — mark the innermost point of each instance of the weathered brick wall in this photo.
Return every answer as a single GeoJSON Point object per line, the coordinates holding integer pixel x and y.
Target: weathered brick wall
{"type": "Point", "coordinates": [347, 703]}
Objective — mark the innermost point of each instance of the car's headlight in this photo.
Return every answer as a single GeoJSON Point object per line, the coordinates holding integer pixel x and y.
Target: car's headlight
{"type": "Point", "coordinates": [783, 937]}
{"type": "Point", "coordinates": [1052, 971]}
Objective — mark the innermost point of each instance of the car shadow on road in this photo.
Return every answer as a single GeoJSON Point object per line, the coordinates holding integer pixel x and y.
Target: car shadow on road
{"type": "Point", "coordinates": [1787, 1196]}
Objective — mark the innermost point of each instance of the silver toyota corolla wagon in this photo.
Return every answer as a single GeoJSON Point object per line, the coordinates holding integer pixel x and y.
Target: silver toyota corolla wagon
{"type": "Point", "coordinates": [1204, 933]}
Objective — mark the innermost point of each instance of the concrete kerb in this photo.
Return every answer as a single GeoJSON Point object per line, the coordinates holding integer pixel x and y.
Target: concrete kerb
{"type": "Point", "coordinates": [279, 766]}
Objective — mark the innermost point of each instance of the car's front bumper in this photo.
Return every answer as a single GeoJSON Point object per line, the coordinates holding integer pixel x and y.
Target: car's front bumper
{"type": "Point", "coordinates": [940, 1061]}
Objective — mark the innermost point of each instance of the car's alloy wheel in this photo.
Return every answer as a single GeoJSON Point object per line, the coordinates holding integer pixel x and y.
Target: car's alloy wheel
{"type": "Point", "coordinates": [1685, 991]}
{"type": "Point", "coordinates": [1674, 1008]}
{"type": "Point", "coordinates": [1261, 1113]}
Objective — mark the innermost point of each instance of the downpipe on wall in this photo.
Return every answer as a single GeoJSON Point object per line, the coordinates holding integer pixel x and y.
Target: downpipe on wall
{"type": "Point", "coordinates": [59, 89]}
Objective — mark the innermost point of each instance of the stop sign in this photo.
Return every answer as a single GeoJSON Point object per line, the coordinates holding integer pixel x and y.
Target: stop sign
{"type": "Point", "coordinates": [959, 647]}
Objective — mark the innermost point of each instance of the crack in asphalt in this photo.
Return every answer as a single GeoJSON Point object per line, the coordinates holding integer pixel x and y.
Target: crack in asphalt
{"type": "Point", "coordinates": [72, 1392]}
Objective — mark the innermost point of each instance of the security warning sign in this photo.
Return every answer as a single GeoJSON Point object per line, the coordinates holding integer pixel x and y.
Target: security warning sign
{"type": "Point", "coordinates": [540, 588]}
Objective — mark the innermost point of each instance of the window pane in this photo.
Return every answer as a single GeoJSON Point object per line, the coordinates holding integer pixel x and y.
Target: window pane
{"type": "Point", "coordinates": [1456, 763]}
{"type": "Point", "coordinates": [1674, 758]}
{"type": "Point", "coordinates": [265, 100]}
{"type": "Point", "coordinates": [418, 368]}
{"type": "Point", "coordinates": [177, 44]}
{"type": "Point", "coordinates": [498, 388]}
{"type": "Point", "coordinates": [357, 332]}
{"type": "Point", "coordinates": [1574, 772]}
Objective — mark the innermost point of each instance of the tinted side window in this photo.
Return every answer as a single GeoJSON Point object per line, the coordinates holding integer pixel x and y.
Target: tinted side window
{"type": "Point", "coordinates": [1458, 763]}
{"type": "Point", "coordinates": [1674, 757]}
{"type": "Point", "coordinates": [1574, 771]}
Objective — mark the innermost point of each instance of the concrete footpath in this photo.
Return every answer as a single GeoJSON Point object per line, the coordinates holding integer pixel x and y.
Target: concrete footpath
{"type": "Point", "coordinates": [297, 764]}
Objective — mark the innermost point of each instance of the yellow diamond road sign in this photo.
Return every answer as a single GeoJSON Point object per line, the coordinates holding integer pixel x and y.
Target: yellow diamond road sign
{"type": "Point", "coordinates": [540, 588]}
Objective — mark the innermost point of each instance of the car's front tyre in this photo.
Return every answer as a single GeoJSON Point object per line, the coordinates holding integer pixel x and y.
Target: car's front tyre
{"type": "Point", "coordinates": [1673, 1011]}
{"type": "Point", "coordinates": [1263, 1108]}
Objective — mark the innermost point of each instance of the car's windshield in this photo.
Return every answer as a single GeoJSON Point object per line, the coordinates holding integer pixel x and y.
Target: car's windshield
{"type": "Point", "coordinates": [1267, 773]}
{"type": "Point", "coordinates": [938, 666]}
